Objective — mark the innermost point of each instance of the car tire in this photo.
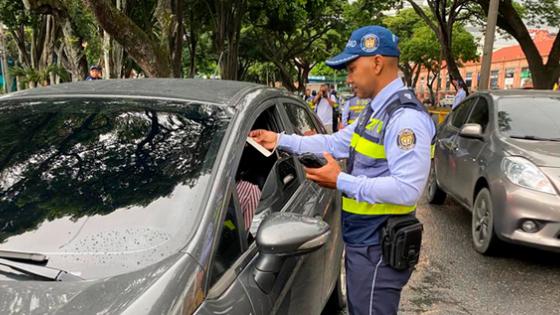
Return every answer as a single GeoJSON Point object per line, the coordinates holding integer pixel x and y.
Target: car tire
{"type": "Point", "coordinates": [483, 234]}
{"type": "Point", "coordinates": [435, 195]}
{"type": "Point", "coordinates": [337, 299]}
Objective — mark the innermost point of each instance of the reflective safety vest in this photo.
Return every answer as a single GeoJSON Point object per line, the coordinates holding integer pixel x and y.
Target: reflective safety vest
{"type": "Point", "coordinates": [356, 106]}
{"type": "Point", "coordinates": [367, 153]}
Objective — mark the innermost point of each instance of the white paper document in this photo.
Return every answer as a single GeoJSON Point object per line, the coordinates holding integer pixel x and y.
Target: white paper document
{"type": "Point", "coordinates": [259, 147]}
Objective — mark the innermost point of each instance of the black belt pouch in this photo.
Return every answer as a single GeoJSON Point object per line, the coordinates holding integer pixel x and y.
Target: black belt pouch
{"type": "Point", "coordinates": [401, 240]}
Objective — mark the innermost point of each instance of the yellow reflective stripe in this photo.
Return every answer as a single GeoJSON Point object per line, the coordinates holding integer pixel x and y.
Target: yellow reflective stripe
{"type": "Point", "coordinates": [375, 122]}
{"type": "Point", "coordinates": [229, 225]}
{"type": "Point", "coordinates": [350, 121]}
{"type": "Point", "coordinates": [357, 107]}
{"type": "Point", "coordinates": [367, 148]}
{"type": "Point", "coordinates": [432, 151]}
{"type": "Point", "coordinates": [363, 208]}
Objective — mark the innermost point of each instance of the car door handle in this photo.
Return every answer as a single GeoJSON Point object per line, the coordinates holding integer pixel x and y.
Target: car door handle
{"type": "Point", "coordinates": [288, 179]}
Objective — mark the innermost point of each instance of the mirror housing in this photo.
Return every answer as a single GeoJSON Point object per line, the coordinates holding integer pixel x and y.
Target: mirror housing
{"type": "Point", "coordinates": [282, 235]}
{"type": "Point", "coordinates": [289, 234]}
{"type": "Point", "coordinates": [471, 131]}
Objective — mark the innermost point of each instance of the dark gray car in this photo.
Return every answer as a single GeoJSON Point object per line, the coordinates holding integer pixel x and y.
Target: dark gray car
{"type": "Point", "coordinates": [498, 154]}
{"type": "Point", "coordinates": [125, 197]}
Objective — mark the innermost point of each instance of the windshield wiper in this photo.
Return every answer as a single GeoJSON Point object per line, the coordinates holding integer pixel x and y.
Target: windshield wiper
{"type": "Point", "coordinates": [535, 138]}
{"type": "Point", "coordinates": [34, 258]}
{"type": "Point", "coordinates": [43, 272]}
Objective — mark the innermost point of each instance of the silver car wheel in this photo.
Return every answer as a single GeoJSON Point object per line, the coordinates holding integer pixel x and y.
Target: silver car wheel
{"type": "Point", "coordinates": [483, 223]}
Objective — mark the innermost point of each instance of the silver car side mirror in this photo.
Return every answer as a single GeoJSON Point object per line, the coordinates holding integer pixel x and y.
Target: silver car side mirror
{"type": "Point", "coordinates": [288, 234]}
{"type": "Point", "coordinates": [282, 235]}
{"type": "Point", "coordinates": [471, 131]}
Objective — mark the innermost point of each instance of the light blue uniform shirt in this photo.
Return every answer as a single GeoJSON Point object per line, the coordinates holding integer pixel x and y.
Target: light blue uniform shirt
{"type": "Point", "coordinates": [459, 97]}
{"type": "Point", "coordinates": [409, 168]}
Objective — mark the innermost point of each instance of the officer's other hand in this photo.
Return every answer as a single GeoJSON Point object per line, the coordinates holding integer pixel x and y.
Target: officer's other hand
{"type": "Point", "coordinates": [327, 175]}
{"type": "Point", "coordinates": [265, 138]}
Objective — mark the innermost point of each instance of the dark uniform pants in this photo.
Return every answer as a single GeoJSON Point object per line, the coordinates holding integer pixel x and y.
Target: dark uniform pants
{"type": "Point", "coordinates": [373, 288]}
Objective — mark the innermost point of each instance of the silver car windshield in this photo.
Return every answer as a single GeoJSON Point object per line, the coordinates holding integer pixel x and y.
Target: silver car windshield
{"type": "Point", "coordinates": [104, 186]}
{"type": "Point", "coordinates": [529, 117]}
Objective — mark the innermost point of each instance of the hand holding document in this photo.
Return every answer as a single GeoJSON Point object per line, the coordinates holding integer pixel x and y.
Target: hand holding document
{"type": "Point", "coordinates": [259, 147]}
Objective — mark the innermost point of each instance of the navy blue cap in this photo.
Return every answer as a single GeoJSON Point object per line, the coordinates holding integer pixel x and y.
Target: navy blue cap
{"type": "Point", "coordinates": [367, 41]}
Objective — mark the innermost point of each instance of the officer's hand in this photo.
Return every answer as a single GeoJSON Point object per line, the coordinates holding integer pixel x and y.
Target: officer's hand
{"type": "Point", "coordinates": [265, 138]}
{"type": "Point", "coordinates": [327, 175]}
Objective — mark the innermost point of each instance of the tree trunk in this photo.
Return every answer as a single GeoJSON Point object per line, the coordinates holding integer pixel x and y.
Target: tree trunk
{"type": "Point", "coordinates": [107, 69]}
{"type": "Point", "coordinates": [75, 59]}
{"type": "Point", "coordinates": [149, 54]}
{"type": "Point", "coordinates": [418, 70]}
{"type": "Point", "coordinates": [192, 55]}
{"type": "Point", "coordinates": [407, 71]}
{"type": "Point", "coordinates": [285, 76]}
{"type": "Point", "coordinates": [178, 39]}
{"type": "Point", "coordinates": [431, 87]}
{"type": "Point", "coordinates": [192, 43]}
{"type": "Point", "coordinates": [227, 19]}
{"type": "Point", "coordinates": [449, 56]}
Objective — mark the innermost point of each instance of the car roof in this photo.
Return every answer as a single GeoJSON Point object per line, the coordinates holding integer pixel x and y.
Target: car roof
{"type": "Point", "coordinates": [221, 92]}
{"type": "Point", "coordinates": [519, 92]}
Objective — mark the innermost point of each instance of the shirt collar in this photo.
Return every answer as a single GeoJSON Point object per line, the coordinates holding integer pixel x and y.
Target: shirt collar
{"type": "Point", "coordinates": [381, 98]}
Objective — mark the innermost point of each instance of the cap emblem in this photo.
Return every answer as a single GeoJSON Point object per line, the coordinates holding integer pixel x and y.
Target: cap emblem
{"type": "Point", "coordinates": [370, 43]}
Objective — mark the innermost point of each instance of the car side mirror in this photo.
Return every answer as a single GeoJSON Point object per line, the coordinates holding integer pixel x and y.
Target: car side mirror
{"type": "Point", "coordinates": [471, 131]}
{"type": "Point", "coordinates": [282, 235]}
{"type": "Point", "coordinates": [289, 234]}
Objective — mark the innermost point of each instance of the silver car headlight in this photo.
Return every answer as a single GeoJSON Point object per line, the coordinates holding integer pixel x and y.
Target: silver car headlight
{"type": "Point", "coordinates": [524, 173]}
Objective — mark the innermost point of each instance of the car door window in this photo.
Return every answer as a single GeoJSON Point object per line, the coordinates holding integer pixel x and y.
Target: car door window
{"type": "Point", "coordinates": [264, 184]}
{"type": "Point", "coordinates": [480, 114]}
{"type": "Point", "coordinates": [460, 115]}
{"type": "Point", "coordinates": [300, 119]}
{"type": "Point", "coordinates": [229, 246]}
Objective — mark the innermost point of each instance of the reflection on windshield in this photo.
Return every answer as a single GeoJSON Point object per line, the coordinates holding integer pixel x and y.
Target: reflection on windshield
{"type": "Point", "coordinates": [529, 116]}
{"type": "Point", "coordinates": [98, 158]}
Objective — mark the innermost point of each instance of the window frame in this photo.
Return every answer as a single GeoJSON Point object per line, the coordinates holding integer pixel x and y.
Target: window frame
{"type": "Point", "coordinates": [283, 103]}
{"type": "Point", "coordinates": [478, 101]}
{"type": "Point", "coordinates": [249, 251]}
{"type": "Point", "coordinates": [474, 99]}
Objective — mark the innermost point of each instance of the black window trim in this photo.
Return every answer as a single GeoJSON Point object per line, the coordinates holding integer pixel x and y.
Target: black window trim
{"type": "Point", "coordinates": [284, 101]}
{"type": "Point", "coordinates": [488, 126]}
{"type": "Point", "coordinates": [473, 97]}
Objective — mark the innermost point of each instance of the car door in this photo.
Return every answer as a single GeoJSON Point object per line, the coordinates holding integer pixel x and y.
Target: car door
{"type": "Point", "coordinates": [446, 143]}
{"type": "Point", "coordinates": [232, 285]}
{"type": "Point", "coordinates": [467, 154]}
{"type": "Point", "coordinates": [226, 294]}
{"type": "Point", "coordinates": [321, 202]}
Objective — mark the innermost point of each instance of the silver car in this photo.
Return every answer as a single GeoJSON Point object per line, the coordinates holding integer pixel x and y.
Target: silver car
{"type": "Point", "coordinates": [498, 154]}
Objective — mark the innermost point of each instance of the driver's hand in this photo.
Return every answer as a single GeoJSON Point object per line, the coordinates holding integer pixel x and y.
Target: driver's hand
{"type": "Point", "coordinates": [265, 138]}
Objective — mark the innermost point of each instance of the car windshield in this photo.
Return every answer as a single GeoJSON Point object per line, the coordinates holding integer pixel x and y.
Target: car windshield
{"type": "Point", "coordinates": [104, 186]}
{"type": "Point", "coordinates": [529, 117]}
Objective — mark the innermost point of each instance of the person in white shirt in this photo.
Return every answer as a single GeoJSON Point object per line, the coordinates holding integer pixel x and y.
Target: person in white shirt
{"type": "Point", "coordinates": [461, 92]}
{"type": "Point", "coordinates": [324, 103]}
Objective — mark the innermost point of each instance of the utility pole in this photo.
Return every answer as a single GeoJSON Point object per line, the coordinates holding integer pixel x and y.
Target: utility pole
{"type": "Point", "coordinates": [488, 45]}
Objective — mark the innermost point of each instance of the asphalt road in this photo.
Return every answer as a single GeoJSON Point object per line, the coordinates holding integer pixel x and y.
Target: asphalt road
{"type": "Point", "coordinates": [452, 278]}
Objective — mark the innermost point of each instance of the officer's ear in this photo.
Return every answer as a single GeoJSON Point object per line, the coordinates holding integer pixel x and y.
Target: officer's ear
{"type": "Point", "coordinates": [378, 64]}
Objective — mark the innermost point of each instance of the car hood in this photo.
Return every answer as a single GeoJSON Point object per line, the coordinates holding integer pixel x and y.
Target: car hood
{"type": "Point", "coordinates": [542, 153]}
{"type": "Point", "coordinates": [152, 290]}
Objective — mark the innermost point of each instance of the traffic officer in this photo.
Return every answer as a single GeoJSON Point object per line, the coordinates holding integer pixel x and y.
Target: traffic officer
{"type": "Point", "coordinates": [388, 151]}
{"type": "Point", "coordinates": [352, 109]}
